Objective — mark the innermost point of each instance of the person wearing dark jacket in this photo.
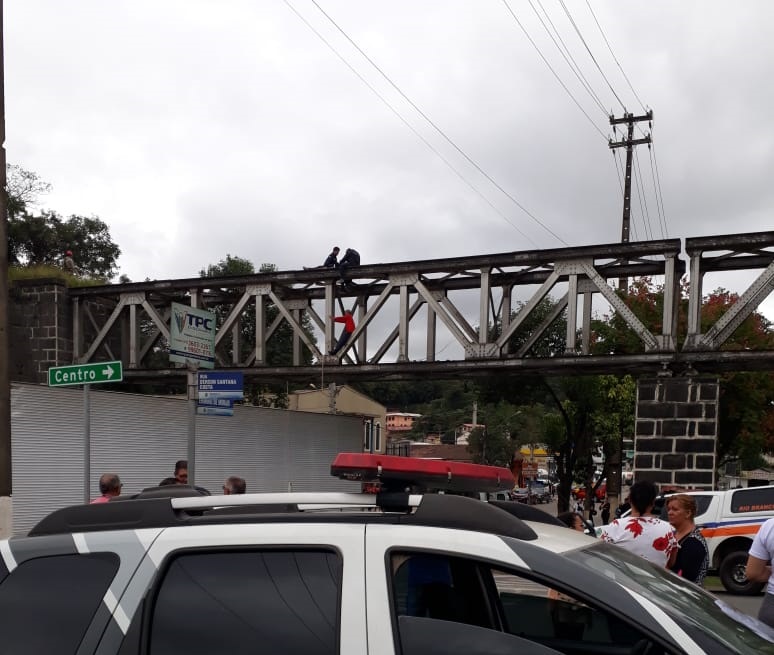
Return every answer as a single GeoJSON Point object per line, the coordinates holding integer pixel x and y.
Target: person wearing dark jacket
{"type": "Point", "coordinates": [331, 261]}
{"type": "Point", "coordinates": [351, 258]}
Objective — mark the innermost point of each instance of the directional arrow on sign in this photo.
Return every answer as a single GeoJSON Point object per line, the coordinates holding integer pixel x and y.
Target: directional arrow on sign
{"type": "Point", "coordinates": [107, 372]}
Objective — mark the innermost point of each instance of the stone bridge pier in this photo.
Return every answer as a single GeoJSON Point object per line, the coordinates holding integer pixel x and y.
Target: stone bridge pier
{"type": "Point", "coordinates": [676, 431]}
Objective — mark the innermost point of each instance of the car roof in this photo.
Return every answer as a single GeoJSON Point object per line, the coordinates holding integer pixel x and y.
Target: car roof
{"type": "Point", "coordinates": [432, 510]}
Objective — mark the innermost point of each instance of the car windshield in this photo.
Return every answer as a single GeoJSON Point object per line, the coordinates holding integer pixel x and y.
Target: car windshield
{"type": "Point", "coordinates": [692, 607]}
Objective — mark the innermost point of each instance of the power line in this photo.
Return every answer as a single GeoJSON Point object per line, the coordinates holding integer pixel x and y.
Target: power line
{"type": "Point", "coordinates": [602, 32]}
{"type": "Point", "coordinates": [574, 65]}
{"type": "Point", "coordinates": [436, 128]}
{"type": "Point", "coordinates": [558, 79]}
{"type": "Point", "coordinates": [407, 124]}
{"type": "Point", "coordinates": [643, 199]}
{"type": "Point", "coordinates": [660, 196]}
{"type": "Point", "coordinates": [580, 36]}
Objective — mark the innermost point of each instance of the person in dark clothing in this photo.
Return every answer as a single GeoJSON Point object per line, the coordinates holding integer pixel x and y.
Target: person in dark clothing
{"type": "Point", "coordinates": [605, 512]}
{"type": "Point", "coordinates": [349, 328]}
{"type": "Point", "coordinates": [692, 559]}
{"type": "Point", "coordinates": [332, 261]}
{"type": "Point", "coordinates": [351, 258]}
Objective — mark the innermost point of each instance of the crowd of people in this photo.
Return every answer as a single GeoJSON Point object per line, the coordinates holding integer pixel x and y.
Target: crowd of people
{"type": "Point", "coordinates": [676, 544]}
{"type": "Point", "coordinates": [110, 484]}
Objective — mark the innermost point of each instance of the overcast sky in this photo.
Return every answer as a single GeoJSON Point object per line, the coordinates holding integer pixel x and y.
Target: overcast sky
{"type": "Point", "coordinates": [200, 128]}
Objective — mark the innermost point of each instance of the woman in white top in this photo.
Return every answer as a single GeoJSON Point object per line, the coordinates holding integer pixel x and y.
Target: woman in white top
{"type": "Point", "coordinates": [641, 533]}
{"type": "Point", "coordinates": [759, 568]}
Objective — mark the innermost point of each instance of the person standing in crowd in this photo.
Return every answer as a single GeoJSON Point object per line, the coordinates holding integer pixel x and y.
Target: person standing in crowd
{"type": "Point", "coordinates": [641, 533]}
{"type": "Point", "coordinates": [109, 486]}
{"type": "Point", "coordinates": [759, 568]}
{"type": "Point", "coordinates": [181, 471]}
{"type": "Point", "coordinates": [604, 512]}
{"type": "Point", "coordinates": [349, 328]}
{"type": "Point", "coordinates": [623, 508]}
{"type": "Point", "coordinates": [572, 520]}
{"type": "Point", "coordinates": [234, 485]}
{"type": "Point", "coordinates": [692, 559]}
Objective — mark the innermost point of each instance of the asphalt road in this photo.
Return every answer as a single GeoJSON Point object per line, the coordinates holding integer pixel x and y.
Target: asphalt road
{"type": "Point", "coordinates": [747, 604]}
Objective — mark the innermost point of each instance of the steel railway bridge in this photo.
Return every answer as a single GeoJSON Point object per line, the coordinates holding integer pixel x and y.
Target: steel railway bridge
{"type": "Point", "coordinates": [404, 311]}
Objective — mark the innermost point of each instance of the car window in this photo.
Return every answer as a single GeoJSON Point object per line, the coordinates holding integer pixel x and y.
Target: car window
{"type": "Point", "coordinates": [461, 590]}
{"type": "Point", "coordinates": [753, 500]}
{"type": "Point", "coordinates": [213, 603]}
{"type": "Point", "coordinates": [47, 603]}
{"type": "Point", "coordinates": [697, 611]}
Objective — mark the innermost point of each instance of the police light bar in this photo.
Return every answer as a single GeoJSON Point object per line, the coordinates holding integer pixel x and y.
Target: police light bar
{"type": "Point", "coordinates": [397, 473]}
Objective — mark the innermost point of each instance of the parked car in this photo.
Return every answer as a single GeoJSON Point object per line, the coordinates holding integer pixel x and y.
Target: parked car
{"type": "Point", "coordinates": [347, 574]}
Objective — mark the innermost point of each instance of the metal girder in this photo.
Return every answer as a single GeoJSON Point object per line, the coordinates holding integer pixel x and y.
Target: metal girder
{"type": "Point", "coordinates": [727, 324]}
{"type": "Point", "coordinates": [445, 288]}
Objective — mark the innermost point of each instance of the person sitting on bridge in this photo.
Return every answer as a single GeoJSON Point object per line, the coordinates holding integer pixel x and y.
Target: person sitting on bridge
{"type": "Point", "coordinates": [351, 258]}
{"type": "Point", "coordinates": [349, 328]}
{"type": "Point", "coordinates": [331, 261]}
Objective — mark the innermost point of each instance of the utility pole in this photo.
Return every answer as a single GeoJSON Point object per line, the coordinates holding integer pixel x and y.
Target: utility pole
{"type": "Point", "coordinates": [615, 462]}
{"type": "Point", "coordinates": [629, 142]}
{"type": "Point", "coordinates": [5, 369]}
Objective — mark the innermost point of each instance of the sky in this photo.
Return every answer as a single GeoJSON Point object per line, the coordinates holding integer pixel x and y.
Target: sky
{"type": "Point", "coordinates": [259, 128]}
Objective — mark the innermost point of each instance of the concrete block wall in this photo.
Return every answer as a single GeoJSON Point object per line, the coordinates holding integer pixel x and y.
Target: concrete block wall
{"type": "Point", "coordinates": [41, 325]}
{"type": "Point", "coordinates": [676, 431]}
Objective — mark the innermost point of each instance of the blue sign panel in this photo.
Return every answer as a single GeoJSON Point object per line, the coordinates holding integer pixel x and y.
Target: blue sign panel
{"type": "Point", "coordinates": [206, 410]}
{"type": "Point", "coordinates": [220, 385]}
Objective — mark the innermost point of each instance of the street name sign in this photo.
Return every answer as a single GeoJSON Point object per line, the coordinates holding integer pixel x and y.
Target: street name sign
{"type": "Point", "coordinates": [97, 373]}
{"type": "Point", "coordinates": [220, 385]}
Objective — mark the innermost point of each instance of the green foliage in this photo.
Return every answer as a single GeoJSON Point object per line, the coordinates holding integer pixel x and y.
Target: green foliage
{"type": "Point", "coordinates": [42, 239]}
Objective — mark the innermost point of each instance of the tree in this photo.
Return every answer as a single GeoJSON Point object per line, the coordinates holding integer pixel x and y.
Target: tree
{"type": "Point", "coordinates": [23, 187]}
{"type": "Point", "coordinates": [42, 239]}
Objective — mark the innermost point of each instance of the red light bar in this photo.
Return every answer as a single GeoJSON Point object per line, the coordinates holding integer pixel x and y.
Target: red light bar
{"type": "Point", "coordinates": [392, 470]}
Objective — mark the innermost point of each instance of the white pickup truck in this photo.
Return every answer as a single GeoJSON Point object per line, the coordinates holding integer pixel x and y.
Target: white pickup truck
{"type": "Point", "coordinates": [729, 520]}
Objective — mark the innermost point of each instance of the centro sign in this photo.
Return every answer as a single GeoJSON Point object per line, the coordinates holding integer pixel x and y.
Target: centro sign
{"type": "Point", "coordinates": [62, 376]}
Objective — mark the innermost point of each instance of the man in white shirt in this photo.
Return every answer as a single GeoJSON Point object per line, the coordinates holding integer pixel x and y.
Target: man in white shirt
{"type": "Point", "coordinates": [759, 568]}
{"type": "Point", "coordinates": [641, 533]}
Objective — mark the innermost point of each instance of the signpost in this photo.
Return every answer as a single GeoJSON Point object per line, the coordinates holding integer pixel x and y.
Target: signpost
{"type": "Point", "coordinates": [192, 342]}
{"type": "Point", "coordinates": [86, 374]}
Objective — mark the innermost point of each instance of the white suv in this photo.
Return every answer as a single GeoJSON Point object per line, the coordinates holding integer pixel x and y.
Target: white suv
{"type": "Point", "coordinates": [347, 574]}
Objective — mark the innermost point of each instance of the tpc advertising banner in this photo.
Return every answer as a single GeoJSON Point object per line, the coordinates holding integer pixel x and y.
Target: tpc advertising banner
{"type": "Point", "coordinates": [192, 336]}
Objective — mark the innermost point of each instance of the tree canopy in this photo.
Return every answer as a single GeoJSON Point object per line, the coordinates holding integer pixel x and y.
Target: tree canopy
{"type": "Point", "coordinates": [42, 238]}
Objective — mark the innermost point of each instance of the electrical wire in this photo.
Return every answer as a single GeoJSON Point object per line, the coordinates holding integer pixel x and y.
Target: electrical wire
{"type": "Point", "coordinates": [641, 196]}
{"type": "Point", "coordinates": [580, 36]}
{"type": "Point", "coordinates": [661, 223]}
{"type": "Point", "coordinates": [407, 124]}
{"type": "Point", "coordinates": [602, 32]}
{"type": "Point", "coordinates": [558, 79]}
{"type": "Point", "coordinates": [571, 60]}
{"type": "Point", "coordinates": [436, 128]}
{"type": "Point", "coordinates": [660, 196]}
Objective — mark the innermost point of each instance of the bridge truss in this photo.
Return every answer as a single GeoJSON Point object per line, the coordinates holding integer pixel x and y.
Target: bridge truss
{"type": "Point", "coordinates": [409, 313]}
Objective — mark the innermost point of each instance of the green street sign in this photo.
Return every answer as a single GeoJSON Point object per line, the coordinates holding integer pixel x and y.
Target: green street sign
{"type": "Point", "coordinates": [63, 376]}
